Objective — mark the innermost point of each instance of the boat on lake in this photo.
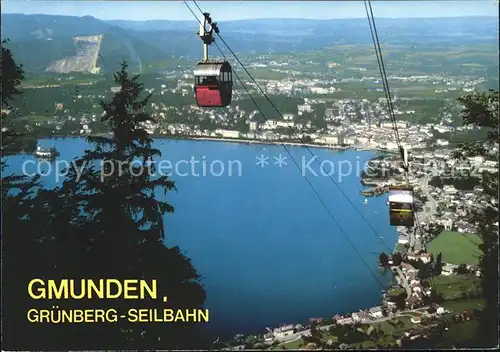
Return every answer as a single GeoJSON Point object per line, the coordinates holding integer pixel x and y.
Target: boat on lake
{"type": "Point", "coordinates": [46, 153]}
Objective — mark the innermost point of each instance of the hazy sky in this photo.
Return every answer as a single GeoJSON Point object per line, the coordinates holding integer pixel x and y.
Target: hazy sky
{"type": "Point", "coordinates": [233, 10]}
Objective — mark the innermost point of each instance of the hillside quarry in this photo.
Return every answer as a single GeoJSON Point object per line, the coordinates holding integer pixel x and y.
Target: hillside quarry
{"type": "Point", "coordinates": [85, 60]}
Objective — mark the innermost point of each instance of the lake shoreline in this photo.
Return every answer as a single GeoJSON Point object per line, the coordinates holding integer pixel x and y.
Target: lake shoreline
{"type": "Point", "coordinates": [293, 143]}
{"type": "Point", "coordinates": [241, 141]}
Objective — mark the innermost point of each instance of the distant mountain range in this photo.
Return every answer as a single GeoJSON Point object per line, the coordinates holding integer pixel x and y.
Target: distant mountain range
{"type": "Point", "coordinates": [39, 40]}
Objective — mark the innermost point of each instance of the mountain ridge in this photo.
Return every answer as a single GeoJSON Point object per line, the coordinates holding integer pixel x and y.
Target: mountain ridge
{"type": "Point", "coordinates": [39, 40]}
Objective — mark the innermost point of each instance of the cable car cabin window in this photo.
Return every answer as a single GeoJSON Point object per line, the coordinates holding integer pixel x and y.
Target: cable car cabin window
{"type": "Point", "coordinates": [401, 216]}
{"type": "Point", "coordinates": [401, 206]}
{"type": "Point", "coordinates": [206, 81]}
{"type": "Point", "coordinates": [224, 77]}
{"type": "Point", "coordinates": [401, 219]}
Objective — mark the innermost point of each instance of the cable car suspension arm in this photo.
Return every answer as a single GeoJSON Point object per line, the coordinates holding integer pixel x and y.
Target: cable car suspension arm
{"type": "Point", "coordinates": [207, 35]}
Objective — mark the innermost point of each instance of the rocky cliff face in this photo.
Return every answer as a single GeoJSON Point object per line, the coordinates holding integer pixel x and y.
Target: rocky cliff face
{"type": "Point", "coordinates": [85, 60]}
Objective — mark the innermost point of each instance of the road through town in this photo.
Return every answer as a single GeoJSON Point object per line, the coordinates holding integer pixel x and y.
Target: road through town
{"type": "Point", "coordinates": [298, 335]}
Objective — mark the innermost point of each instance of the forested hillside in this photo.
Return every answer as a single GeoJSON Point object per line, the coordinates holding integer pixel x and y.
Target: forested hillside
{"type": "Point", "coordinates": [38, 40]}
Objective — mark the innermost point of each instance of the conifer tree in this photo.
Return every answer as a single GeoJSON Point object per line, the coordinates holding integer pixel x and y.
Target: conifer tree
{"type": "Point", "coordinates": [481, 109]}
{"type": "Point", "coordinates": [115, 211]}
{"type": "Point", "coordinates": [20, 238]}
{"type": "Point", "coordinates": [105, 221]}
{"type": "Point", "coordinates": [11, 78]}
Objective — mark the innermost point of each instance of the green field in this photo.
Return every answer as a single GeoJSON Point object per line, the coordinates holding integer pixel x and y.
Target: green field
{"type": "Point", "coordinates": [463, 304]}
{"type": "Point", "coordinates": [390, 328]}
{"type": "Point", "coordinates": [456, 247]}
{"type": "Point", "coordinates": [396, 330]}
{"type": "Point", "coordinates": [36, 118]}
{"type": "Point", "coordinates": [459, 60]}
{"type": "Point", "coordinates": [461, 335]}
{"type": "Point", "coordinates": [292, 345]}
{"type": "Point", "coordinates": [456, 286]}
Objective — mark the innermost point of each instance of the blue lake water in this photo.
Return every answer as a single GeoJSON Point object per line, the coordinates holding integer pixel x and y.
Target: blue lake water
{"type": "Point", "coordinates": [267, 249]}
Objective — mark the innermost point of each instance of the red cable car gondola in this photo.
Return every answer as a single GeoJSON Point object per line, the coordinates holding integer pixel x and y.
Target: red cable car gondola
{"type": "Point", "coordinates": [213, 80]}
{"type": "Point", "coordinates": [213, 84]}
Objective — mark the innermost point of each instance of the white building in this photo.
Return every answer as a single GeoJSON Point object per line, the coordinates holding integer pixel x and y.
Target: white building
{"type": "Point", "coordinates": [425, 258]}
{"type": "Point", "coordinates": [284, 124]}
{"type": "Point", "coordinates": [304, 108]}
{"type": "Point", "coordinates": [391, 305]}
{"type": "Point", "coordinates": [283, 331]}
{"type": "Point", "coordinates": [328, 140]}
{"type": "Point", "coordinates": [228, 133]}
{"type": "Point", "coordinates": [356, 316]}
{"type": "Point", "coordinates": [403, 240]}
{"type": "Point", "coordinates": [270, 125]}
{"type": "Point", "coordinates": [448, 224]}
{"type": "Point", "coordinates": [448, 269]}
{"type": "Point", "coordinates": [449, 189]}
{"type": "Point", "coordinates": [376, 312]}
{"type": "Point", "coordinates": [346, 320]}
{"type": "Point", "coordinates": [415, 319]}
{"type": "Point", "coordinates": [442, 142]}
{"type": "Point", "coordinates": [392, 146]}
{"type": "Point", "coordinates": [268, 337]}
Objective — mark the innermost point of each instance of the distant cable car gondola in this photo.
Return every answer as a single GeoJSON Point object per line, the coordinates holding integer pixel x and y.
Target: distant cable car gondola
{"type": "Point", "coordinates": [401, 206]}
{"type": "Point", "coordinates": [213, 80]}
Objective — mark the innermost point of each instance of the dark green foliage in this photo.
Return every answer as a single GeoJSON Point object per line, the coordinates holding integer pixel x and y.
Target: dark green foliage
{"type": "Point", "coordinates": [415, 263]}
{"type": "Point", "coordinates": [11, 77]}
{"type": "Point", "coordinates": [95, 227]}
{"type": "Point", "coordinates": [469, 148]}
{"type": "Point", "coordinates": [438, 264]}
{"type": "Point", "coordinates": [242, 126]}
{"type": "Point", "coordinates": [462, 269]}
{"type": "Point", "coordinates": [348, 334]}
{"type": "Point", "coordinates": [423, 271]}
{"type": "Point", "coordinates": [36, 55]}
{"type": "Point", "coordinates": [460, 183]}
{"type": "Point", "coordinates": [383, 259]}
{"type": "Point", "coordinates": [482, 110]}
{"type": "Point", "coordinates": [488, 331]}
{"type": "Point", "coordinates": [490, 184]}
{"type": "Point", "coordinates": [307, 139]}
{"type": "Point", "coordinates": [11, 139]}
{"type": "Point", "coordinates": [397, 259]}
{"type": "Point", "coordinates": [35, 51]}
{"type": "Point", "coordinates": [318, 118]}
